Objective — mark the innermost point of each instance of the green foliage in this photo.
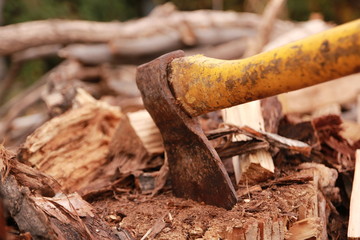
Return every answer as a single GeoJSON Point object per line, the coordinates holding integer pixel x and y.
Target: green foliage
{"type": "Point", "coordinates": [31, 71]}
{"type": "Point", "coordinates": [16, 11]}
{"type": "Point", "coordinates": [27, 10]}
{"type": "Point", "coordinates": [107, 10]}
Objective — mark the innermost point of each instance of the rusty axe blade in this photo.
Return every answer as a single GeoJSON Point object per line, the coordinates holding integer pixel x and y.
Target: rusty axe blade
{"type": "Point", "coordinates": [196, 169]}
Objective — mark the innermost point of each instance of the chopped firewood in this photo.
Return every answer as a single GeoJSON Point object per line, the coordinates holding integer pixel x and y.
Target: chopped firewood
{"type": "Point", "coordinates": [72, 146]}
{"type": "Point", "coordinates": [147, 131]}
{"type": "Point", "coordinates": [354, 219]}
{"type": "Point", "coordinates": [257, 166]}
{"type": "Point", "coordinates": [38, 206]}
{"type": "Point", "coordinates": [307, 228]}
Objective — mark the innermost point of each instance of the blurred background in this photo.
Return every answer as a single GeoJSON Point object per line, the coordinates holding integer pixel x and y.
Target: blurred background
{"type": "Point", "coordinates": [16, 11]}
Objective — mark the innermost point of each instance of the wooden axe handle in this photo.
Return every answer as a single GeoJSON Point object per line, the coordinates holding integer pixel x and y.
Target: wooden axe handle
{"type": "Point", "coordinates": [204, 84]}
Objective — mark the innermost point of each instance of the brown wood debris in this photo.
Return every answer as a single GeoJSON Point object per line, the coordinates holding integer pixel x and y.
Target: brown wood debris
{"type": "Point", "coordinates": [89, 161]}
{"type": "Point", "coordinates": [77, 140]}
{"type": "Point", "coordinates": [37, 205]}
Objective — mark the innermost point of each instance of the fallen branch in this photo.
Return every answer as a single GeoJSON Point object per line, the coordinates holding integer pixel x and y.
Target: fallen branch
{"type": "Point", "coordinates": [172, 30]}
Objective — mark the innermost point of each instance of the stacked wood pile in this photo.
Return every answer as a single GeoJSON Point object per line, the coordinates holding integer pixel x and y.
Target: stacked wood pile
{"type": "Point", "coordinates": [81, 158]}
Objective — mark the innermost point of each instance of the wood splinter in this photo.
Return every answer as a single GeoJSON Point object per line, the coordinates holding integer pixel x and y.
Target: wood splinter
{"type": "Point", "coordinates": [354, 218]}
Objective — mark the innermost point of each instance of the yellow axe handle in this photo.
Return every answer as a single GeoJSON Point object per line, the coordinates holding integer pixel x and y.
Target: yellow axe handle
{"type": "Point", "coordinates": [204, 84]}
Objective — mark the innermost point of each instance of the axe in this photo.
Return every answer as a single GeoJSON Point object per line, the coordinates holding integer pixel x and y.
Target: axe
{"type": "Point", "coordinates": [176, 89]}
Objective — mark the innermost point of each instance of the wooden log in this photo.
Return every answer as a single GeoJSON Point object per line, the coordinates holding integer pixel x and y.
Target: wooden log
{"type": "Point", "coordinates": [354, 217]}
{"type": "Point", "coordinates": [72, 146]}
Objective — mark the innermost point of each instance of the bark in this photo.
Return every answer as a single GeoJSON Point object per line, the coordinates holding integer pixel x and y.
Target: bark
{"type": "Point", "coordinates": [36, 203]}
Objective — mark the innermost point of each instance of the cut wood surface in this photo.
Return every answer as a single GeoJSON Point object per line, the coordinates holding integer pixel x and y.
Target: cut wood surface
{"type": "Point", "coordinates": [71, 146]}
{"type": "Point", "coordinates": [264, 213]}
{"type": "Point", "coordinates": [147, 131]}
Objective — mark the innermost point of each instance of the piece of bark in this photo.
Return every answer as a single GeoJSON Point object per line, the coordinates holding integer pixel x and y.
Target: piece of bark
{"type": "Point", "coordinates": [232, 149]}
{"type": "Point", "coordinates": [72, 146]}
{"type": "Point", "coordinates": [303, 131]}
{"type": "Point", "coordinates": [29, 197]}
{"type": "Point", "coordinates": [277, 141]}
{"type": "Point", "coordinates": [354, 218]}
{"type": "Point", "coordinates": [336, 150]}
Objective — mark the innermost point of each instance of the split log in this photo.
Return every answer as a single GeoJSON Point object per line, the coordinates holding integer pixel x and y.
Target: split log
{"type": "Point", "coordinates": [354, 219]}
{"type": "Point", "coordinates": [72, 146]}
{"type": "Point", "coordinates": [38, 206]}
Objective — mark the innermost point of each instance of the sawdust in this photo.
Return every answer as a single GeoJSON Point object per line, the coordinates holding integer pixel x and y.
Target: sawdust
{"type": "Point", "coordinates": [273, 209]}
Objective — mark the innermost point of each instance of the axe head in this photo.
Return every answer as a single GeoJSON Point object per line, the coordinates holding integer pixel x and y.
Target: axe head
{"type": "Point", "coordinates": [195, 168]}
